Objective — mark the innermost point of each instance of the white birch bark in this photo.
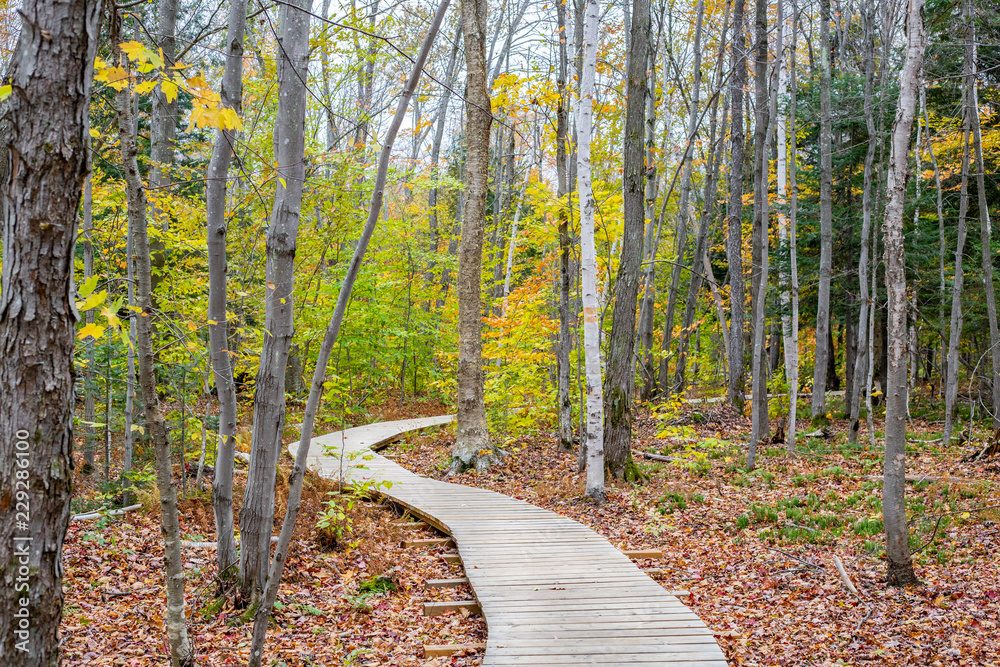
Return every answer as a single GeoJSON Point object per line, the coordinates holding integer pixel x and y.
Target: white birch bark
{"type": "Point", "coordinates": [900, 564]}
{"type": "Point", "coordinates": [588, 261]}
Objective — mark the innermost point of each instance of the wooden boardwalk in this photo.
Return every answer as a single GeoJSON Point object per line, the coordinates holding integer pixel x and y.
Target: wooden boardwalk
{"type": "Point", "coordinates": [553, 592]}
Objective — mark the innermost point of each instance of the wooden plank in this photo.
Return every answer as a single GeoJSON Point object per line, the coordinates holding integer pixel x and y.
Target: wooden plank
{"type": "Point", "coordinates": [439, 650]}
{"type": "Point", "coordinates": [446, 583]}
{"type": "Point", "coordinates": [451, 559]}
{"type": "Point", "coordinates": [655, 554]}
{"type": "Point", "coordinates": [438, 608]}
{"type": "Point", "coordinates": [433, 542]}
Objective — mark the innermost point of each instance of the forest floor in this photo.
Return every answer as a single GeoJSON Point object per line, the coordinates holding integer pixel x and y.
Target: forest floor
{"type": "Point", "coordinates": [758, 550]}
{"type": "Point", "coordinates": [358, 604]}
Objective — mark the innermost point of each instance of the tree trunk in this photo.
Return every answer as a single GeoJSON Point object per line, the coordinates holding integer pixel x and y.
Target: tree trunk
{"type": "Point", "coordinates": [987, 248]}
{"type": "Point", "coordinates": [89, 407]}
{"type": "Point", "coordinates": [862, 360]}
{"type": "Point", "coordinates": [594, 440]}
{"type": "Point", "coordinates": [257, 512]}
{"type": "Point", "coordinates": [620, 376]}
{"type": "Point", "coordinates": [683, 208]}
{"type": "Point", "coordinates": [825, 219]}
{"type": "Point", "coordinates": [793, 361]}
{"type": "Point", "coordinates": [564, 347]}
{"type": "Point", "coordinates": [216, 187]}
{"type": "Point", "coordinates": [473, 434]}
{"type": "Point", "coordinates": [45, 119]}
{"type": "Point", "coordinates": [263, 614]}
{"type": "Point", "coordinates": [432, 196]}
{"type": "Point", "coordinates": [900, 564]}
{"type": "Point", "coordinates": [758, 401]}
{"type": "Point", "coordinates": [734, 242]}
{"type": "Point", "coordinates": [715, 143]}
{"type": "Point", "coordinates": [955, 333]}
{"type": "Point", "coordinates": [181, 652]}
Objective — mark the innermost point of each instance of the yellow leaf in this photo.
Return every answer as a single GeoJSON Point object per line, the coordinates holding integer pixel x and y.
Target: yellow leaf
{"type": "Point", "coordinates": [192, 326]}
{"type": "Point", "coordinates": [92, 301]}
{"type": "Point", "coordinates": [93, 330]}
{"type": "Point", "coordinates": [169, 89]}
{"type": "Point", "coordinates": [270, 285]}
{"type": "Point", "coordinates": [5, 92]}
{"type": "Point", "coordinates": [95, 134]}
{"type": "Point", "coordinates": [145, 87]}
{"type": "Point", "coordinates": [135, 51]}
{"type": "Point", "coordinates": [965, 515]}
{"type": "Point", "coordinates": [89, 285]}
{"type": "Point", "coordinates": [282, 181]}
{"type": "Point", "coordinates": [212, 322]}
{"type": "Point", "coordinates": [230, 120]}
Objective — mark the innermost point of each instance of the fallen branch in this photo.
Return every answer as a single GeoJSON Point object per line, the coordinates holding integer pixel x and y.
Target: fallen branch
{"type": "Point", "coordinates": [659, 457]}
{"type": "Point", "coordinates": [87, 516]}
{"type": "Point", "coordinates": [843, 575]}
{"type": "Point", "coordinates": [800, 560]}
{"type": "Point", "coordinates": [213, 545]}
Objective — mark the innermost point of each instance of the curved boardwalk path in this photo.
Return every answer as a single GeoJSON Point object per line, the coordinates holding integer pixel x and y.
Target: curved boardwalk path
{"type": "Point", "coordinates": [553, 592]}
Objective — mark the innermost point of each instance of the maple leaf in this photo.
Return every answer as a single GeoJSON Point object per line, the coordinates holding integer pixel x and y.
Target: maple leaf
{"type": "Point", "coordinates": [92, 330]}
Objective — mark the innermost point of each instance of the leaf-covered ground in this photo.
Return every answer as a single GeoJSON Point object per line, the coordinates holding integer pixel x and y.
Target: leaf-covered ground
{"type": "Point", "coordinates": [757, 550]}
{"type": "Point", "coordinates": [114, 595]}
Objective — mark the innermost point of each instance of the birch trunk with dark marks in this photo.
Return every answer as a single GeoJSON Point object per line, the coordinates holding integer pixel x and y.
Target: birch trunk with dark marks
{"type": "Point", "coordinates": [955, 329]}
{"type": "Point", "coordinates": [472, 443]}
{"type": "Point", "coordinates": [862, 360]}
{"type": "Point", "coordinates": [758, 281]}
{"type": "Point", "coordinates": [825, 219]}
{"type": "Point", "coordinates": [262, 615]}
{"type": "Point", "coordinates": [592, 441]}
{"type": "Point", "coordinates": [257, 512]}
{"type": "Point", "coordinates": [985, 235]}
{"type": "Point", "coordinates": [44, 155]}
{"type": "Point", "coordinates": [181, 652]}
{"type": "Point", "coordinates": [620, 371]}
{"type": "Point", "coordinates": [734, 241]}
{"type": "Point", "coordinates": [216, 189]}
{"type": "Point", "coordinates": [565, 343]}
{"type": "Point", "coordinates": [900, 564]}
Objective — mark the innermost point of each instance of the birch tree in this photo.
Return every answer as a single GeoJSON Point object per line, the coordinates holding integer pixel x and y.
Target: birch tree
{"type": "Point", "coordinates": [899, 562]}
{"type": "Point", "coordinates": [45, 126]}
{"type": "Point", "coordinates": [588, 260]}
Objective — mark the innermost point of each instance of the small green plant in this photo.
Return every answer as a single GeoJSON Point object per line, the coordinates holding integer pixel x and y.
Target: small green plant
{"type": "Point", "coordinates": [870, 527]}
{"type": "Point", "coordinates": [335, 524]}
{"type": "Point", "coordinates": [742, 522]}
